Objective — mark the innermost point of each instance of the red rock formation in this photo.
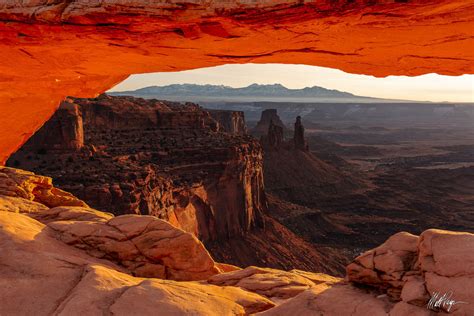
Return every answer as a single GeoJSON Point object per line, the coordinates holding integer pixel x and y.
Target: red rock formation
{"type": "Point", "coordinates": [63, 132]}
{"type": "Point", "coordinates": [127, 113]}
{"type": "Point", "coordinates": [274, 137]}
{"type": "Point", "coordinates": [268, 116]}
{"type": "Point", "coordinates": [230, 121]}
{"type": "Point", "coordinates": [183, 170]}
{"type": "Point", "coordinates": [412, 269]}
{"type": "Point", "coordinates": [54, 49]}
{"type": "Point", "coordinates": [94, 263]}
{"type": "Point", "coordinates": [144, 246]}
{"type": "Point", "coordinates": [158, 158]}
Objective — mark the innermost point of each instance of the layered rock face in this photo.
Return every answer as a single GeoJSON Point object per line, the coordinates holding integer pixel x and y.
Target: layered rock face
{"type": "Point", "coordinates": [94, 263]}
{"type": "Point", "coordinates": [82, 48]}
{"type": "Point", "coordinates": [64, 131]}
{"type": "Point", "coordinates": [231, 121]}
{"type": "Point", "coordinates": [157, 158]}
{"type": "Point", "coordinates": [412, 269]}
{"type": "Point", "coordinates": [175, 162]}
{"type": "Point", "coordinates": [272, 132]}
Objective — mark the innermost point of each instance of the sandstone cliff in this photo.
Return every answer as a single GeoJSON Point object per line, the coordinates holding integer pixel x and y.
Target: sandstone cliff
{"type": "Point", "coordinates": [267, 118]}
{"type": "Point", "coordinates": [64, 131]}
{"type": "Point", "coordinates": [157, 158]}
{"type": "Point", "coordinates": [292, 172]}
{"type": "Point", "coordinates": [230, 121]}
{"type": "Point", "coordinates": [94, 263]}
{"type": "Point", "coordinates": [181, 167]}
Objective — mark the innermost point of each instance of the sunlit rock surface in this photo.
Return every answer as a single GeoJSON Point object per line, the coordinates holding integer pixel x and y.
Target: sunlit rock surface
{"type": "Point", "coordinates": [93, 263]}
{"type": "Point", "coordinates": [411, 269]}
{"type": "Point", "coordinates": [159, 158]}
{"type": "Point", "coordinates": [51, 49]}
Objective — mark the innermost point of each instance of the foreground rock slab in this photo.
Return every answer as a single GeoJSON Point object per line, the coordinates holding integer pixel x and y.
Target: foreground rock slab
{"type": "Point", "coordinates": [74, 260]}
{"type": "Point", "coordinates": [412, 270]}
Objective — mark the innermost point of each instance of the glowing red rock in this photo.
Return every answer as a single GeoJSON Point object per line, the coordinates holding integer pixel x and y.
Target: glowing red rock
{"type": "Point", "coordinates": [51, 49]}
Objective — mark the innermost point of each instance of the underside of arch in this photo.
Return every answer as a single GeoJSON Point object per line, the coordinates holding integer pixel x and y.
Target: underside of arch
{"type": "Point", "coordinates": [52, 49]}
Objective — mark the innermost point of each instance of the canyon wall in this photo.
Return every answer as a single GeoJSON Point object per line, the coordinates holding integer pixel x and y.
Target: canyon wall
{"type": "Point", "coordinates": [64, 131]}
{"type": "Point", "coordinates": [94, 263]}
{"type": "Point", "coordinates": [292, 172]}
{"type": "Point", "coordinates": [156, 158]}
{"type": "Point", "coordinates": [231, 121]}
{"type": "Point", "coordinates": [53, 49]}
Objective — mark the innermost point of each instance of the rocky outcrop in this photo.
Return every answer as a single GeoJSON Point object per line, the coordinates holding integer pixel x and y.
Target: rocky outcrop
{"type": "Point", "coordinates": [101, 44]}
{"type": "Point", "coordinates": [299, 141]}
{"type": "Point", "coordinates": [183, 169]}
{"type": "Point", "coordinates": [94, 263]}
{"type": "Point", "coordinates": [143, 245]}
{"type": "Point", "coordinates": [26, 185]}
{"type": "Point", "coordinates": [125, 113]}
{"type": "Point", "coordinates": [273, 140]}
{"type": "Point", "coordinates": [63, 132]}
{"type": "Point", "coordinates": [232, 122]}
{"type": "Point", "coordinates": [412, 269]}
{"type": "Point", "coordinates": [268, 116]}
{"type": "Point", "coordinates": [177, 165]}
{"type": "Point", "coordinates": [292, 172]}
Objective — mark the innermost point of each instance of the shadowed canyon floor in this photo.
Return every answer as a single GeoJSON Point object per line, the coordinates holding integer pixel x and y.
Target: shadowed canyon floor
{"type": "Point", "coordinates": [94, 263]}
{"type": "Point", "coordinates": [359, 184]}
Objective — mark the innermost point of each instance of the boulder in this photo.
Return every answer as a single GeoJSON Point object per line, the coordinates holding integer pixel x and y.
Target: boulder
{"type": "Point", "coordinates": [414, 270]}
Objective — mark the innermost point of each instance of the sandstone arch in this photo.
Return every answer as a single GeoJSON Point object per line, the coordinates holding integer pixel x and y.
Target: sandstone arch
{"type": "Point", "coordinates": [51, 49]}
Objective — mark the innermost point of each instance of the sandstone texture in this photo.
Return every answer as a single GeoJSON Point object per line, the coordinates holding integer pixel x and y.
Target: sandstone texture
{"type": "Point", "coordinates": [143, 245]}
{"type": "Point", "coordinates": [232, 122]}
{"type": "Point", "coordinates": [180, 165]}
{"type": "Point", "coordinates": [54, 49]}
{"type": "Point", "coordinates": [93, 263]}
{"type": "Point", "coordinates": [273, 140]}
{"type": "Point", "coordinates": [64, 131]}
{"type": "Point", "coordinates": [160, 158]}
{"type": "Point", "coordinates": [412, 269]}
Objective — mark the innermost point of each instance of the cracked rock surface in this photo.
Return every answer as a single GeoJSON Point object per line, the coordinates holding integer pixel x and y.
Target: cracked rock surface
{"type": "Point", "coordinates": [410, 269]}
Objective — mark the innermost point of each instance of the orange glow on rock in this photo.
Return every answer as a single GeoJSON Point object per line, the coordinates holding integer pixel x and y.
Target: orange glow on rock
{"type": "Point", "coordinates": [51, 51]}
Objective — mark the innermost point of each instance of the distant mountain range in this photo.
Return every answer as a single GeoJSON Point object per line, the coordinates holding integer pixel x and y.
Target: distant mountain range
{"type": "Point", "coordinates": [254, 92]}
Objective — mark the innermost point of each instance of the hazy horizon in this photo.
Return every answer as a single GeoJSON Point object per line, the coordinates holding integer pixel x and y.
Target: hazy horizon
{"type": "Point", "coordinates": [430, 87]}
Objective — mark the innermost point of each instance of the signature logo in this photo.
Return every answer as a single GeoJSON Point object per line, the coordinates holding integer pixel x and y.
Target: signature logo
{"type": "Point", "coordinates": [443, 302]}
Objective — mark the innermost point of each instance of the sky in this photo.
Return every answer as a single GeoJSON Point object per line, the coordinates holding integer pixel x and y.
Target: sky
{"type": "Point", "coordinates": [431, 87]}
